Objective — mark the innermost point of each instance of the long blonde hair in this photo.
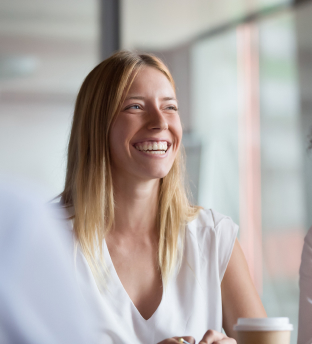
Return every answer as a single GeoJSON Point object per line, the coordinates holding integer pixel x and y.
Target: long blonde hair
{"type": "Point", "coordinates": [88, 185]}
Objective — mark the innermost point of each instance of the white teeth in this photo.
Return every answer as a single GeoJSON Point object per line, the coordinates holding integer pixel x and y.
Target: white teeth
{"type": "Point", "coordinates": [156, 152]}
{"type": "Point", "coordinates": [152, 147]}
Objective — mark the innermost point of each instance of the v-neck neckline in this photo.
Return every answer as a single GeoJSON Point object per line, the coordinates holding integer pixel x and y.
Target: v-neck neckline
{"type": "Point", "coordinates": [125, 293]}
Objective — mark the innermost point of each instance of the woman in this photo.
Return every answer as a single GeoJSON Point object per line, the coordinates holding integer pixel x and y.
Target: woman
{"type": "Point", "coordinates": [161, 268]}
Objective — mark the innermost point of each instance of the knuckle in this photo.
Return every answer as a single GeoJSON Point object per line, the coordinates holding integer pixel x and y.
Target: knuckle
{"type": "Point", "coordinates": [211, 332]}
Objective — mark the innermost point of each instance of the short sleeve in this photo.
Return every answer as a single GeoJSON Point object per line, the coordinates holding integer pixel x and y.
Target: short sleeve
{"type": "Point", "coordinates": [226, 232]}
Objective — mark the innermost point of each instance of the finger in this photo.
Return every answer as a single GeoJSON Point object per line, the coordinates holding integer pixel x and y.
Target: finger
{"type": "Point", "coordinates": [212, 336]}
{"type": "Point", "coordinates": [169, 341]}
{"type": "Point", "coordinates": [226, 340]}
{"type": "Point", "coordinates": [189, 339]}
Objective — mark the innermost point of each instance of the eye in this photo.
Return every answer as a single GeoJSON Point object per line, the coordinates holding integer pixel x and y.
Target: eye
{"type": "Point", "coordinates": [134, 106]}
{"type": "Point", "coordinates": [172, 107]}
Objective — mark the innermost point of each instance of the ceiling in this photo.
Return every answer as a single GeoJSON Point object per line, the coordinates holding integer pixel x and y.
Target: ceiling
{"type": "Point", "coordinates": [47, 47]}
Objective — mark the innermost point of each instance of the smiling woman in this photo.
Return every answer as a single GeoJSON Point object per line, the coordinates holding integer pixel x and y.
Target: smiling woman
{"type": "Point", "coordinates": [160, 266]}
{"type": "Point", "coordinates": [147, 128]}
{"type": "Point", "coordinates": [120, 102]}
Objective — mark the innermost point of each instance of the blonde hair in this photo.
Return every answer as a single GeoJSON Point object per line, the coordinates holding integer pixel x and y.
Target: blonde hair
{"type": "Point", "coordinates": [88, 185]}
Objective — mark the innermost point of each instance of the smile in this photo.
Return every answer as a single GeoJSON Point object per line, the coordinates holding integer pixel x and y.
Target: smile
{"type": "Point", "coordinates": [155, 147]}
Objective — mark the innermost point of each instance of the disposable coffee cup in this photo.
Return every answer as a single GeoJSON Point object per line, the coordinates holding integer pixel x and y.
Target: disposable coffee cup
{"type": "Point", "coordinates": [263, 330]}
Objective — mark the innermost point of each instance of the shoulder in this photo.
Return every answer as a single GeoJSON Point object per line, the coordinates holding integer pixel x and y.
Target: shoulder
{"type": "Point", "coordinates": [213, 230]}
{"type": "Point", "coordinates": [306, 257]}
{"type": "Point", "coordinates": [213, 236]}
{"type": "Point", "coordinates": [308, 238]}
{"type": "Point", "coordinates": [209, 220]}
{"type": "Point", "coordinates": [307, 248]}
{"type": "Point", "coordinates": [62, 217]}
{"type": "Point", "coordinates": [30, 225]}
{"type": "Point", "coordinates": [61, 212]}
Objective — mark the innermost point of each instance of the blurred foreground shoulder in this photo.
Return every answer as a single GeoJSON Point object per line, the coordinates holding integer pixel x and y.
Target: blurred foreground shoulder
{"type": "Point", "coordinates": [40, 299]}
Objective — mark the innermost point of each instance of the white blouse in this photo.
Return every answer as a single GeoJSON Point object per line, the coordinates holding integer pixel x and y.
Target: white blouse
{"type": "Point", "coordinates": [191, 304]}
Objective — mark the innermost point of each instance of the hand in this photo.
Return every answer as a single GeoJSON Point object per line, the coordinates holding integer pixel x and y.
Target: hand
{"type": "Point", "coordinates": [214, 337]}
{"type": "Point", "coordinates": [175, 340]}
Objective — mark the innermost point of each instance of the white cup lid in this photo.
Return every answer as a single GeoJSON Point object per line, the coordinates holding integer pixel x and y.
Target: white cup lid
{"type": "Point", "coordinates": [263, 324]}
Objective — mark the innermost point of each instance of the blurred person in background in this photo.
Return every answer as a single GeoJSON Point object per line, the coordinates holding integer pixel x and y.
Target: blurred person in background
{"type": "Point", "coordinates": [39, 296]}
{"type": "Point", "coordinates": [151, 266]}
{"type": "Point", "coordinates": [305, 283]}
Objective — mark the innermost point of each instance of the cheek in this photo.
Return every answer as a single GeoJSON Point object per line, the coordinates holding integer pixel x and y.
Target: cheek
{"type": "Point", "coordinates": [177, 131]}
{"type": "Point", "coordinates": [118, 132]}
{"type": "Point", "coordinates": [120, 135]}
{"type": "Point", "coordinates": [116, 141]}
{"type": "Point", "coordinates": [124, 127]}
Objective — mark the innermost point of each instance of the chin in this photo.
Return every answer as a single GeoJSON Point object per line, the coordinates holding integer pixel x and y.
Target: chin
{"type": "Point", "coordinates": [157, 174]}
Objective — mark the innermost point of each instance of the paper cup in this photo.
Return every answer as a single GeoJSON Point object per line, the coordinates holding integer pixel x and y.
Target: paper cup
{"type": "Point", "coordinates": [263, 330]}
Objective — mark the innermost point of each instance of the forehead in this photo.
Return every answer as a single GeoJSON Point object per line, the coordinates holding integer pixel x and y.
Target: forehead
{"type": "Point", "coordinates": [151, 80]}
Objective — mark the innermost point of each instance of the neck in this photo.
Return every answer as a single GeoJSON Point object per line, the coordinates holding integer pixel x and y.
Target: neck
{"type": "Point", "coordinates": [136, 206]}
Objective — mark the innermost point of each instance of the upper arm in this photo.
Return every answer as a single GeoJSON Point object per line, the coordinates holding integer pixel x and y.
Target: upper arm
{"type": "Point", "coordinates": [239, 296]}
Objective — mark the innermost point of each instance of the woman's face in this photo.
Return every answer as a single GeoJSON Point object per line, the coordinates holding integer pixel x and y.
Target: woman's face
{"type": "Point", "coordinates": [146, 135]}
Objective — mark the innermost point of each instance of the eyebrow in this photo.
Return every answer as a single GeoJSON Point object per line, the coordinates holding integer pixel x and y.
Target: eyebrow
{"type": "Point", "coordinates": [142, 98]}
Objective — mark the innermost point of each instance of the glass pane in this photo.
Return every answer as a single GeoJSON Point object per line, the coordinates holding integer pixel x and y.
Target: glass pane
{"type": "Point", "coordinates": [283, 203]}
{"type": "Point", "coordinates": [215, 122]}
{"type": "Point", "coordinates": [267, 200]}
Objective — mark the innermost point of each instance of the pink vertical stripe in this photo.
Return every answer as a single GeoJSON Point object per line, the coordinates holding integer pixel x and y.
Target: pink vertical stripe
{"type": "Point", "coordinates": [249, 150]}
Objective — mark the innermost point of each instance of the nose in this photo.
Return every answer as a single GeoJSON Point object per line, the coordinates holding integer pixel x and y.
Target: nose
{"type": "Point", "coordinates": [157, 120]}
